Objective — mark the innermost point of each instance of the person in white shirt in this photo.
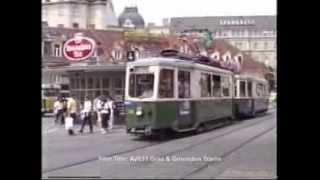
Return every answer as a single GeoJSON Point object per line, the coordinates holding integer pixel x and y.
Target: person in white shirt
{"type": "Point", "coordinates": [111, 107]}
{"type": "Point", "coordinates": [96, 108]}
{"type": "Point", "coordinates": [87, 108]}
{"type": "Point", "coordinates": [105, 114]}
{"type": "Point", "coordinates": [58, 110]}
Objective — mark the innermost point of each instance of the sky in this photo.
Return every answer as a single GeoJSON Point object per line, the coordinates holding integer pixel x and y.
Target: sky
{"type": "Point", "coordinates": [155, 10]}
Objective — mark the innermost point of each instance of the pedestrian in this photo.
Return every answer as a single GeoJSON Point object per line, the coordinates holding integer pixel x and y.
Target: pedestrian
{"type": "Point", "coordinates": [105, 114]}
{"type": "Point", "coordinates": [64, 102]}
{"type": "Point", "coordinates": [111, 106]}
{"type": "Point", "coordinates": [58, 110]}
{"type": "Point", "coordinates": [87, 108]}
{"type": "Point", "coordinates": [96, 103]}
{"type": "Point", "coordinates": [71, 113]}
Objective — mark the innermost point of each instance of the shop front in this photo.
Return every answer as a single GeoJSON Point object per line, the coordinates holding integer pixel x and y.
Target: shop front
{"type": "Point", "coordinates": [95, 80]}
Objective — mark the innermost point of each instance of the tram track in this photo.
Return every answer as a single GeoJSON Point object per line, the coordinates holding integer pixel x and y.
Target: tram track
{"type": "Point", "coordinates": [228, 153]}
{"type": "Point", "coordinates": [269, 116]}
{"type": "Point", "coordinates": [211, 138]}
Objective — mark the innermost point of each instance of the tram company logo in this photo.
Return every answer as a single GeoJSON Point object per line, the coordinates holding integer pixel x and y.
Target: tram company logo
{"type": "Point", "coordinates": [78, 48]}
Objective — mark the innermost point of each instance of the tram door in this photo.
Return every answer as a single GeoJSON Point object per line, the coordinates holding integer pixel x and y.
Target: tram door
{"type": "Point", "coordinates": [185, 117]}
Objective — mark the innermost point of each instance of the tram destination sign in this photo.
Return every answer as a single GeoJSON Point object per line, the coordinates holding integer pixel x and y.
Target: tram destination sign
{"type": "Point", "coordinates": [78, 48]}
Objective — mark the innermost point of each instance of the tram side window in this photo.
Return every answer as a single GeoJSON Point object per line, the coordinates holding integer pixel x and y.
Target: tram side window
{"type": "Point", "coordinates": [226, 87]}
{"type": "Point", "coordinates": [259, 90]}
{"type": "Point", "coordinates": [216, 85]}
{"type": "Point", "coordinates": [205, 85]}
{"type": "Point", "coordinates": [166, 86]}
{"type": "Point", "coordinates": [250, 89]}
{"type": "Point", "coordinates": [184, 84]}
{"type": "Point", "coordinates": [141, 85]}
{"type": "Point", "coordinates": [235, 88]}
{"type": "Point", "coordinates": [242, 89]}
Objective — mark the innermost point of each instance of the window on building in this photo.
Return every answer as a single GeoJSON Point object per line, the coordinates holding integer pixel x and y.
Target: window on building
{"type": "Point", "coordinates": [77, 83]}
{"type": "Point", "coordinates": [60, 12]}
{"type": "Point", "coordinates": [75, 25]}
{"type": "Point", "coordinates": [60, 25]}
{"type": "Point", "coordinates": [83, 83]}
{"type": "Point", "coordinates": [90, 83]}
{"type": "Point", "coordinates": [255, 45]}
{"type": "Point", "coordinates": [184, 84]}
{"type": "Point", "coordinates": [166, 86]}
{"type": "Point", "coordinates": [240, 33]}
{"type": "Point", "coordinates": [205, 85]}
{"type": "Point", "coordinates": [216, 86]}
{"type": "Point", "coordinates": [97, 83]}
{"type": "Point", "coordinates": [91, 26]}
{"type": "Point", "coordinates": [225, 87]}
{"type": "Point", "coordinates": [117, 83]}
{"type": "Point", "coordinates": [47, 48]}
{"type": "Point", "coordinates": [72, 83]}
{"type": "Point", "coordinates": [265, 45]}
{"type": "Point", "coordinates": [57, 50]}
{"type": "Point", "coordinates": [242, 89]}
{"type": "Point", "coordinates": [250, 89]}
{"type": "Point", "coordinates": [105, 92]}
{"type": "Point", "coordinates": [117, 54]}
{"type": "Point", "coordinates": [105, 83]}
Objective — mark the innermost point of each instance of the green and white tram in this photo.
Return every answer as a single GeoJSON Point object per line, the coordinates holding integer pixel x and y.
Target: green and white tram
{"type": "Point", "coordinates": [172, 94]}
{"type": "Point", "coordinates": [251, 96]}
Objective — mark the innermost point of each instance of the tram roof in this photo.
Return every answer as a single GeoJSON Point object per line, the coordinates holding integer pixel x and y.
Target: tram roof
{"type": "Point", "coordinates": [163, 61]}
{"type": "Point", "coordinates": [250, 77]}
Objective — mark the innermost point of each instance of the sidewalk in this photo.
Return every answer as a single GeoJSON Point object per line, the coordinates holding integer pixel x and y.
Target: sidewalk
{"type": "Point", "coordinates": [78, 126]}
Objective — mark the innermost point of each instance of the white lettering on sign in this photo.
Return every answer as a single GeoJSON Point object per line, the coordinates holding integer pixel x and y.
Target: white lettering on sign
{"type": "Point", "coordinates": [78, 48]}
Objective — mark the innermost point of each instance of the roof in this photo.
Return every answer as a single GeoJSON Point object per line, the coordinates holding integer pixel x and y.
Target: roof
{"type": "Point", "coordinates": [213, 23]}
{"type": "Point", "coordinates": [132, 14]}
{"type": "Point", "coordinates": [148, 46]}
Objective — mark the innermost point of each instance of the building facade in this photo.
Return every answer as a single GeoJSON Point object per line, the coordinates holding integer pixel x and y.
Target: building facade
{"type": "Point", "coordinates": [254, 35]}
{"type": "Point", "coordinates": [92, 14]}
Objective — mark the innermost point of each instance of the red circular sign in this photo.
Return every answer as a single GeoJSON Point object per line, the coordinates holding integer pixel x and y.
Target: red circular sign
{"type": "Point", "coordinates": [78, 48]}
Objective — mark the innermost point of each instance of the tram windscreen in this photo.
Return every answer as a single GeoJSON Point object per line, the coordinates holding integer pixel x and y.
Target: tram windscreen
{"type": "Point", "coordinates": [141, 85]}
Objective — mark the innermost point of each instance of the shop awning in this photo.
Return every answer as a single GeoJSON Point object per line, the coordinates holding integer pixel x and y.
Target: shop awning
{"type": "Point", "coordinates": [87, 68]}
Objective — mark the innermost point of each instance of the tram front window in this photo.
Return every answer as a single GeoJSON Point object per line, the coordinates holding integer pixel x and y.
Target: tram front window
{"type": "Point", "coordinates": [141, 85]}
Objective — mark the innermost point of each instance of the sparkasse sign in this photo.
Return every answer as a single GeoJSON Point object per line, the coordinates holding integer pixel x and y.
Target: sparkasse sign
{"type": "Point", "coordinates": [78, 48]}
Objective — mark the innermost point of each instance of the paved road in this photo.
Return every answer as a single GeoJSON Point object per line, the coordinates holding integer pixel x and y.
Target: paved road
{"type": "Point", "coordinates": [245, 149]}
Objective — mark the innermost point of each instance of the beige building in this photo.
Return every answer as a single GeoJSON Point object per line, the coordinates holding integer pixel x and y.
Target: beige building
{"type": "Point", "coordinates": [93, 14]}
{"type": "Point", "coordinates": [254, 35]}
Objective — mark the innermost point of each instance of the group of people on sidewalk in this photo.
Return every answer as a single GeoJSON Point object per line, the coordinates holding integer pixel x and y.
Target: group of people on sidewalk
{"type": "Point", "coordinates": [102, 108]}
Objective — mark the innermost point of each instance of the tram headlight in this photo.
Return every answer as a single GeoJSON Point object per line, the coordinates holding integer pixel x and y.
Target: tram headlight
{"type": "Point", "coordinates": [139, 111]}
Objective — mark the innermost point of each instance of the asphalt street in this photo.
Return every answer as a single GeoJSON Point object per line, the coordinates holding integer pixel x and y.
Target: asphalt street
{"type": "Point", "coordinates": [244, 149]}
